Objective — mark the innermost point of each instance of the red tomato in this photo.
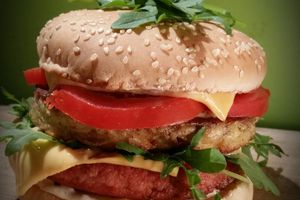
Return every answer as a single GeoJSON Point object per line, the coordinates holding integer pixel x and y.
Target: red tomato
{"type": "Point", "coordinates": [109, 112]}
{"type": "Point", "coordinates": [252, 104]}
{"type": "Point", "coordinates": [35, 76]}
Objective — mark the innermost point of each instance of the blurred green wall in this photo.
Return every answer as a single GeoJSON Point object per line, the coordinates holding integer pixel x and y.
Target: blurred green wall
{"type": "Point", "coordinates": [274, 23]}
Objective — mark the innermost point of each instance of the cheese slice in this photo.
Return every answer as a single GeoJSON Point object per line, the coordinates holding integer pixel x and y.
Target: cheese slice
{"type": "Point", "coordinates": [218, 103]}
{"type": "Point", "coordinates": [42, 158]}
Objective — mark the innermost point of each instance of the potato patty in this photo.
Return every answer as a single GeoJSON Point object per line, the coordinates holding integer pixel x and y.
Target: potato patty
{"type": "Point", "coordinates": [132, 183]}
{"type": "Point", "coordinates": [226, 136]}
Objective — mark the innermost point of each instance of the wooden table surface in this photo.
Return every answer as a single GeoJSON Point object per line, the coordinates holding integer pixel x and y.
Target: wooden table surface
{"type": "Point", "coordinates": [285, 172]}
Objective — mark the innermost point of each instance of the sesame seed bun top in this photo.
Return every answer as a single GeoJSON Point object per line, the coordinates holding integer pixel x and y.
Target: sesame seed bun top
{"type": "Point", "coordinates": [80, 48]}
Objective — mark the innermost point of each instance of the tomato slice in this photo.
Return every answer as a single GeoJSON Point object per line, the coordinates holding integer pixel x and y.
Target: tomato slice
{"type": "Point", "coordinates": [252, 104]}
{"type": "Point", "coordinates": [35, 76]}
{"type": "Point", "coordinates": [104, 111]}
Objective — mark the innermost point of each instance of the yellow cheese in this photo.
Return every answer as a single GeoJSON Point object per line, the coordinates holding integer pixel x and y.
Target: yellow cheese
{"type": "Point", "coordinates": [42, 158]}
{"type": "Point", "coordinates": [218, 103]}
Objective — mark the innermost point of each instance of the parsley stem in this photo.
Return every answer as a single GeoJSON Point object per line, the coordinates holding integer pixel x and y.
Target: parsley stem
{"type": "Point", "coordinates": [236, 176]}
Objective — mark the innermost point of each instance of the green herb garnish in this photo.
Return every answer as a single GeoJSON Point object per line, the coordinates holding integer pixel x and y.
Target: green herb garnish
{"type": "Point", "coordinates": [155, 11]}
{"type": "Point", "coordinates": [262, 145]}
{"type": "Point", "coordinates": [218, 196]}
{"type": "Point", "coordinates": [254, 172]}
{"type": "Point", "coordinates": [21, 132]}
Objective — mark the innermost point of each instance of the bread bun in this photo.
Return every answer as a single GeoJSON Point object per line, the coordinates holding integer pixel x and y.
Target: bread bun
{"type": "Point", "coordinates": [80, 47]}
{"type": "Point", "coordinates": [236, 191]}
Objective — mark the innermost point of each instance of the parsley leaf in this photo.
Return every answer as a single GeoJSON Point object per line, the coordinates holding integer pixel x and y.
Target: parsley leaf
{"type": "Point", "coordinates": [18, 137]}
{"type": "Point", "coordinates": [217, 196]}
{"type": "Point", "coordinates": [207, 160]}
{"type": "Point", "coordinates": [155, 11]}
{"type": "Point", "coordinates": [263, 147]}
{"type": "Point", "coordinates": [254, 172]}
{"type": "Point", "coordinates": [196, 138]}
{"type": "Point", "coordinates": [193, 180]}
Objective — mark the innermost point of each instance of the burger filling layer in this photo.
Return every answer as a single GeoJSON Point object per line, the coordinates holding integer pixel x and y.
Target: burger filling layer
{"type": "Point", "coordinates": [226, 136]}
{"type": "Point", "coordinates": [132, 183]}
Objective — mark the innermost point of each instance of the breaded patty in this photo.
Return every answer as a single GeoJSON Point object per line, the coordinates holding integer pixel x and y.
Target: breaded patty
{"type": "Point", "coordinates": [226, 136]}
{"type": "Point", "coordinates": [137, 184]}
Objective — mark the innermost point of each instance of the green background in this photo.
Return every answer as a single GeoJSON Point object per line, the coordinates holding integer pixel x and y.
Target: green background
{"type": "Point", "coordinates": [273, 23]}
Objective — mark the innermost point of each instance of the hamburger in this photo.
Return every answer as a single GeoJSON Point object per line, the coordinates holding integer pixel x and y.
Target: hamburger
{"type": "Point", "coordinates": [156, 112]}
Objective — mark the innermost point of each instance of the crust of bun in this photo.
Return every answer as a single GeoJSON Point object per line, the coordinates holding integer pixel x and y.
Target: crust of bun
{"type": "Point", "coordinates": [237, 190]}
{"type": "Point", "coordinates": [80, 47]}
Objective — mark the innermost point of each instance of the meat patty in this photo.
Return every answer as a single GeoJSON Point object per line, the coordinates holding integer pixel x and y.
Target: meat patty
{"type": "Point", "coordinates": [226, 136]}
{"type": "Point", "coordinates": [136, 184]}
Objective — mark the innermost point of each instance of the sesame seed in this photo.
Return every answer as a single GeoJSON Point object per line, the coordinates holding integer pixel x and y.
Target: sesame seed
{"type": "Point", "coordinates": [146, 42]}
{"type": "Point", "coordinates": [179, 58]}
{"type": "Point", "coordinates": [211, 61]}
{"type": "Point", "coordinates": [108, 32]}
{"type": "Point", "coordinates": [178, 40]}
{"type": "Point", "coordinates": [58, 52]}
{"type": "Point", "coordinates": [136, 73]}
{"type": "Point", "coordinates": [92, 31]}
{"type": "Point", "coordinates": [166, 47]}
{"type": "Point", "coordinates": [73, 23]}
{"type": "Point", "coordinates": [94, 57]}
{"type": "Point", "coordinates": [185, 70]}
{"type": "Point", "coordinates": [87, 37]}
{"type": "Point", "coordinates": [100, 30]}
{"type": "Point", "coordinates": [170, 71]}
{"type": "Point", "coordinates": [158, 37]}
{"type": "Point", "coordinates": [177, 72]}
{"type": "Point", "coordinates": [189, 50]}
{"type": "Point", "coordinates": [76, 39]}
{"type": "Point", "coordinates": [119, 49]}
{"type": "Point", "coordinates": [195, 69]}
{"type": "Point", "coordinates": [122, 31]}
{"type": "Point", "coordinates": [93, 24]}
{"type": "Point", "coordinates": [155, 64]}
{"type": "Point", "coordinates": [256, 62]}
{"type": "Point", "coordinates": [237, 68]}
{"type": "Point", "coordinates": [129, 31]}
{"type": "Point", "coordinates": [89, 81]}
{"type": "Point", "coordinates": [162, 81]}
{"type": "Point", "coordinates": [202, 75]}
{"type": "Point", "coordinates": [64, 75]}
{"type": "Point", "coordinates": [216, 52]}
{"type": "Point", "coordinates": [185, 61]}
{"type": "Point", "coordinates": [82, 29]}
{"type": "Point", "coordinates": [125, 60]}
{"type": "Point", "coordinates": [111, 40]}
{"type": "Point", "coordinates": [48, 60]}
{"type": "Point", "coordinates": [58, 27]}
{"type": "Point", "coordinates": [241, 73]}
{"type": "Point", "coordinates": [259, 67]}
{"type": "Point", "coordinates": [101, 42]}
{"type": "Point", "coordinates": [106, 50]}
{"type": "Point", "coordinates": [129, 49]}
{"type": "Point", "coordinates": [148, 27]}
{"type": "Point", "coordinates": [115, 35]}
{"type": "Point", "coordinates": [153, 55]}
{"type": "Point", "coordinates": [192, 62]}
{"type": "Point", "coordinates": [76, 51]}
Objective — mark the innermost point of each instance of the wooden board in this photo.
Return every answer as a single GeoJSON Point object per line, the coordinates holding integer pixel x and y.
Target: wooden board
{"type": "Point", "coordinates": [285, 172]}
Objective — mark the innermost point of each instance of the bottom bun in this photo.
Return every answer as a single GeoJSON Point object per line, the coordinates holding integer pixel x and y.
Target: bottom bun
{"type": "Point", "coordinates": [47, 190]}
